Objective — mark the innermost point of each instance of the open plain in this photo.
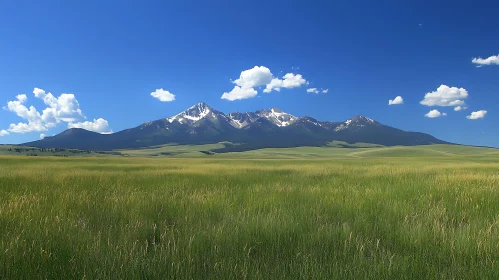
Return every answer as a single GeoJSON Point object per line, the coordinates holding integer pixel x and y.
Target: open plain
{"type": "Point", "coordinates": [379, 213]}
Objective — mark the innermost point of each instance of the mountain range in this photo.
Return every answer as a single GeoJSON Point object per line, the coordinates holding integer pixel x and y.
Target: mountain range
{"type": "Point", "coordinates": [201, 124]}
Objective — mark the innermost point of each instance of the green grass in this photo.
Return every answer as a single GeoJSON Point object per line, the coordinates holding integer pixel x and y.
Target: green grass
{"type": "Point", "coordinates": [173, 150]}
{"type": "Point", "coordinates": [413, 217]}
{"type": "Point", "coordinates": [341, 144]}
{"type": "Point", "coordinates": [333, 150]}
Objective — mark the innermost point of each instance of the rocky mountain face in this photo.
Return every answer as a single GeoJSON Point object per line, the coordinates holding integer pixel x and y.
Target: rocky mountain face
{"type": "Point", "coordinates": [202, 124]}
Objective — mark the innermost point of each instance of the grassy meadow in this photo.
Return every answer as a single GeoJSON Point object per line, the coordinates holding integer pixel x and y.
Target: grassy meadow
{"type": "Point", "coordinates": [377, 213]}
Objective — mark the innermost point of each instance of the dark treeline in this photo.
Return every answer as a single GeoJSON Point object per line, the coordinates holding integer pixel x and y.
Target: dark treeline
{"type": "Point", "coordinates": [47, 150]}
{"type": "Point", "coordinates": [58, 151]}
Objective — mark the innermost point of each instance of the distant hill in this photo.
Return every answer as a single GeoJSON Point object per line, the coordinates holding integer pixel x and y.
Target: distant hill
{"type": "Point", "coordinates": [271, 128]}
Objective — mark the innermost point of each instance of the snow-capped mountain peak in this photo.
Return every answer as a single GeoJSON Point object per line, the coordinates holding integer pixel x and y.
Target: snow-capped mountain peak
{"type": "Point", "coordinates": [362, 119]}
{"type": "Point", "coordinates": [356, 122]}
{"type": "Point", "coordinates": [240, 120]}
{"type": "Point", "coordinates": [310, 120]}
{"type": "Point", "coordinates": [277, 117]}
{"type": "Point", "coordinates": [193, 114]}
{"type": "Point", "coordinates": [201, 124]}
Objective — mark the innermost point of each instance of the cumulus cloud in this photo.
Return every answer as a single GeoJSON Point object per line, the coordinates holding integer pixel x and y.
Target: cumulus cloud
{"type": "Point", "coordinates": [445, 96]}
{"type": "Point", "coordinates": [434, 114]}
{"type": "Point", "coordinates": [4, 133]}
{"type": "Point", "coordinates": [31, 115]}
{"type": "Point", "coordinates": [325, 90]}
{"type": "Point", "coordinates": [396, 101]}
{"type": "Point", "coordinates": [26, 127]}
{"type": "Point", "coordinates": [64, 108]}
{"type": "Point", "coordinates": [163, 95]}
{"type": "Point", "coordinates": [39, 93]}
{"type": "Point", "coordinates": [460, 108]}
{"type": "Point", "coordinates": [238, 93]}
{"type": "Point", "coordinates": [42, 136]}
{"type": "Point", "coordinates": [259, 76]}
{"type": "Point", "coordinates": [491, 60]}
{"type": "Point", "coordinates": [23, 112]}
{"type": "Point", "coordinates": [22, 98]}
{"type": "Point", "coordinates": [98, 125]}
{"type": "Point", "coordinates": [477, 115]}
{"type": "Point", "coordinates": [289, 80]}
{"type": "Point", "coordinates": [255, 77]}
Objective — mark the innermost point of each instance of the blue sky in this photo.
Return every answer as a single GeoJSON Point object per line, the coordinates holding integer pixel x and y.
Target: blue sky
{"type": "Point", "coordinates": [112, 57]}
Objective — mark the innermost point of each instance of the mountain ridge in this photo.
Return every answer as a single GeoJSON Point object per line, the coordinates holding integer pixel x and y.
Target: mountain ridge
{"type": "Point", "coordinates": [201, 124]}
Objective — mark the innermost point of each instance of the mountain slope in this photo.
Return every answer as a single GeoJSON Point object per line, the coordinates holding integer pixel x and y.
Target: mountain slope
{"type": "Point", "coordinates": [74, 137]}
{"type": "Point", "coordinates": [201, 124]}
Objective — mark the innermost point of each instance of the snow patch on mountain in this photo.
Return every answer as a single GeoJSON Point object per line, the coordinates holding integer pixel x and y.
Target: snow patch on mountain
{"type": "Point", "coordinates": [277, 117]}
{"type": "Point", "coordinates": [240, 120]}
{"type": "Point", "coordinates": [359, 121]}
{"type": "Point", "coordinates": [193, 114]}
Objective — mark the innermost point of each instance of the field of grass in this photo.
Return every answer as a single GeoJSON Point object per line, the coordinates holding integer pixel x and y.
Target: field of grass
{"type": "Point", "coordinates": [341, 144]}
{"type": "Point", "coordinates": [376, 217]}
{"type": "Point", "coordinates": [173, 150]}
{"type": "Point", "coordinates": [333, 150]}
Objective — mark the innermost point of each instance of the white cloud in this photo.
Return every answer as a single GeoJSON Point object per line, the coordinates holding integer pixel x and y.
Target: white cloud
{"type": "Point", "coordinates": [42, 136]}
{"type": "Point", "coordinates": [248, 80]}
{"type": "Point", "coordinates": [4, 133]}
{"type": "Point", "coordinates": [238, 93]}
{"type": "Point", "coordinates": [33, 117]}
{"type": "Point", "coordinates": [163, 95]}
{"type": "Point", "coordinates": [259, 76]}
{"type": "Point", "coordinates": [98, 125]}
{"type": "Point", "coordinates": [486, 61]}
{"type": "Point", "coordinates": [445, 96]}
{"type": "Point", "coordinates": [434, 114]}
{"type": "Point", "coordinates": [460, 108]}
{"type": "Point", "coordinates": [477, 115]}
{"type": "Point", "coordinates": [22, 98]}
{"type": "Point", "coordinates": [39, 93]}
{"type": "Point", "coordinates": [26, 127]}
{"type": "Point", "coordinates": [64, 108]}
{"type": "Point", "coordinates": [23, 112]}
{"type": "Point", "coordinates": [396, 101]}
{"type": "Point", "coordinates": [255, 77]}
{"type": "Point", "coordinates": [444, 114]}
{"type": "Point", "coordinates": [317, 91]}
{"type": "Point", "coordinates": [289, 80]}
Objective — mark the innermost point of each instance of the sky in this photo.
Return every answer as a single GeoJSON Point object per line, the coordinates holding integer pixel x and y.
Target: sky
{"type": "Point", "coordinates": [427, 66]}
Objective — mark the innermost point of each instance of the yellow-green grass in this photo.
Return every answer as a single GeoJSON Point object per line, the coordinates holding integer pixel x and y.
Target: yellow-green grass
{"type": "Point", "coordinates": [433, 217]}
{"type": "Point", "coordinates": [172, 150]}
{"type": "Point", "coordinates": [341, 144]}
{"type": "Point", "coordinates": [333, 151]}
